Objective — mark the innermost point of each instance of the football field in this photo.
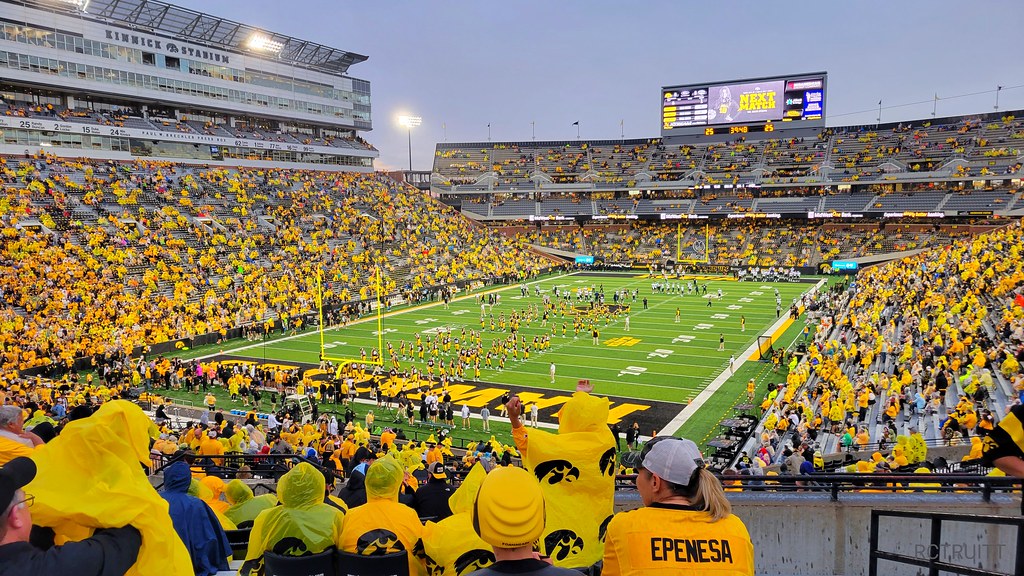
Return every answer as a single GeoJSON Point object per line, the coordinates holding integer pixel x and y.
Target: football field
{"type": "Point", "coordinates": [667, 357]}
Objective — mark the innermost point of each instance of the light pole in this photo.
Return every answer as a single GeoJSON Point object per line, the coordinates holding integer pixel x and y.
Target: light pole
{"type": "Point", "coordinates": [410, 122]}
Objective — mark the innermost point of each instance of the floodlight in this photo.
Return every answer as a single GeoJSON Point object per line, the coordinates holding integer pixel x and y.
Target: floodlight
{"type": "Point", "coordinates": [410, 121]}
{"type": "Point", "coordinates": [262, 43]}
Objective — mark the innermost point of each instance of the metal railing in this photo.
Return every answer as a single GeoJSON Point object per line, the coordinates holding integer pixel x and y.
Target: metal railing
{"type": "Point", "coordinates": [273, 466]}
{"type": "Point", "coordinates": [265, 466]}
{"type": "Point", "coordinates": [930, 557]}
{"type": "Point", "coordinates": [836, 484]}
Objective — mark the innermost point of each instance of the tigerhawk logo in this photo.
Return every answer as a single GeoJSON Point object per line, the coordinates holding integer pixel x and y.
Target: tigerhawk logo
{"type": "Point", "coordinates": [607, 462]}
{"type": "Point", "coordinates": [379, 542]}
{"type": "Point", "coordinates": [561, 544]}
{"type": "Point", "coordinates": [602, 531]}
{"type": "Point", "coordinates": [290, 546]}
{"type": "Point", "coordinates": [556, 471]}
{"type": "Point", "coordinates": [473, 560]}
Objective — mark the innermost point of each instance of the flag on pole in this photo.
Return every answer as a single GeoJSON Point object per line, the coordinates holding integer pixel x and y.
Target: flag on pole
{"type": "Point", "coordinates": [576, 123]}
{"type": "Point", "coordinates": [879, 102]}
{"type": "Point", "coordinates": [936, 95]}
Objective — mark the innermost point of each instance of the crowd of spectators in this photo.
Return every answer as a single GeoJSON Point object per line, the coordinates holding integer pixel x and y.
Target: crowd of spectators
{"type": "Point", "coordinates": [922, 349]}
{"type": "Point", "coordinates": [736, 242]}
{"type": "Point", "coordinates": [983, 146]}
{"type": "Point", "coordinates": [394, 497]}
{"type": "Point", "coordinates": [145, 253]}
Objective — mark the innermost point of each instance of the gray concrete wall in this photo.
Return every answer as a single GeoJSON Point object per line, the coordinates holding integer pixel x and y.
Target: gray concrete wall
{"type": "Point", "coordinates": [810, 535]}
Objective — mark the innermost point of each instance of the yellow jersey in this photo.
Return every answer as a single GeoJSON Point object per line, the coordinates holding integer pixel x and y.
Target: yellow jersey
{"type": "Point", "coordinates": [676, 540]}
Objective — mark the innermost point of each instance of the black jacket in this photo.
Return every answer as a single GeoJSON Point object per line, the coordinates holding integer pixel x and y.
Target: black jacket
{"type": "Point", "coordinates": [431, 500]}
{"type": "Point", "coordinates": [108, 553]}
{"type": "Point", "coordinates": [354, 490]}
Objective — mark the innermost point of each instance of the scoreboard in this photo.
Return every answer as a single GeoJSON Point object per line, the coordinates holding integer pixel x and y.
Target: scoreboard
{"type": "Point", "coordinates": [744, 106]}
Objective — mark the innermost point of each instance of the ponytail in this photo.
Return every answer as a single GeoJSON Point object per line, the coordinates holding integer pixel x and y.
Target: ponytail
{"type": "Point", "coordinates": [710, 496]}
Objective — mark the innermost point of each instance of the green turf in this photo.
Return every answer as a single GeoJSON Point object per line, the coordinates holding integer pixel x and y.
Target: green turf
{"type": "Point", "coordinates": [704, 426]}
{"type": "Point", "coordinates": [663, 359]}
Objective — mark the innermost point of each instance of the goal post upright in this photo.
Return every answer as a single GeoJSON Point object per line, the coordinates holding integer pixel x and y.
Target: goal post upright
{"type": "Point", "coordinates": [679, 241]}
{"type": "Point", "coordinates": [378, 288]}
{"type": "Point", "coordinates": [380, 312]}
{"type": "Point", "coordinates": [706, 257]}
{"type": "Point", "coordinates": [320, 305]}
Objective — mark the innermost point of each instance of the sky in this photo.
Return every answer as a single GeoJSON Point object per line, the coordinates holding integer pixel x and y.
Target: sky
{"type": "Point", "coordinates": [464, 64]}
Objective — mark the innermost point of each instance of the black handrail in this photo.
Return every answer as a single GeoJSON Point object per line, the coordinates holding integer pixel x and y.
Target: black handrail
{"type": "Point", "coordinates": [275, 465]}
{"type": "Point", "coordinates": [930, 557]}
{"type": "Point", "coordinates": [261, 465]}
{"type": "Point", "coordinates": [271, 466]}
{"type": "Point", "coordinates": [834, 484]}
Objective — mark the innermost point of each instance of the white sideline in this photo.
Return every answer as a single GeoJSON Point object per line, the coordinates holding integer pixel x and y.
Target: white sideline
{"type": "Point", "coordinates": [676, 423]}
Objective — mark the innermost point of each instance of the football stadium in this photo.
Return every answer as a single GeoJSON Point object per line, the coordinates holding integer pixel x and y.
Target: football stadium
{"type": "Point", "coordinates": [236, 341]}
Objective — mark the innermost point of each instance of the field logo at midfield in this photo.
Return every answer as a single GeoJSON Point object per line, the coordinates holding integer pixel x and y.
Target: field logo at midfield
{"type": "Point", "coordinates": [623, 341]}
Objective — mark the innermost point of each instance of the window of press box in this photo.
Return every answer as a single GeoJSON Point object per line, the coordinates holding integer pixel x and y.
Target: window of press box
{"type": "Point", "coordinates": [149, 59]}
{"type": "Point", "coordinates": [172, 63]}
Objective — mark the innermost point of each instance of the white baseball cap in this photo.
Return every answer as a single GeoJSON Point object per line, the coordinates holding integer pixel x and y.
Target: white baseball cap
{"type": "Point", "coordinates": [669, 458]}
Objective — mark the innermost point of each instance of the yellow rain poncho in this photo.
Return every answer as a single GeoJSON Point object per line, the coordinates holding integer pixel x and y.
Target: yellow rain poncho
{"type": "Point", "coordinates": [302, 525]}
{"type": "Point", "coordinates": [576, 469]}
{"type": "Point", "coordinates": [451, 546]}
{"type": "Point", "coordinates": [38, 417]}
{"type": "Point", "coordinates": [244, 505]}
{"type": "Point", "coordinates": [216, 486]}
{"type": "Point", "coordinates": [976, 449]}
{"type": "Point", "coordinates": [410, 458]}
{"type": "Point", "coordinates": [89, 477]}
{"type": "Point", "coordinates": [916, 449]}
{"type": "Point", "coordinates": [205, 493]}
{"type": "Point", "coordinates": [382, 525]}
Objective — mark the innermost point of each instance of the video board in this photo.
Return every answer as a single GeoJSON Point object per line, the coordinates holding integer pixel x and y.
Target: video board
{"type": "Point", "coordinates": [744, 106]}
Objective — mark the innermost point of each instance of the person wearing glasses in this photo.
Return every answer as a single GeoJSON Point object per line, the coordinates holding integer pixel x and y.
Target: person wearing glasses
{"type": "Point", "coordinates": [108, 553]}
{"type": "Point", "coordinates": [686, 525]}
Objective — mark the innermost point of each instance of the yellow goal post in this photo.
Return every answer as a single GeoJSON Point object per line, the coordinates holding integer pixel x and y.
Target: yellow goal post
{"type": "Point", "coordinates": [326, 347]}
{"type": "Point", "coordinates": [697, 248]}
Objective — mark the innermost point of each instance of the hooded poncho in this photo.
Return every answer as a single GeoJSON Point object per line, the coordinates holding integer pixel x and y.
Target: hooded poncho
{"type": "Point", "coordinates": [301, 526]}
{"type": "Point", "coordinates": [195, 522]}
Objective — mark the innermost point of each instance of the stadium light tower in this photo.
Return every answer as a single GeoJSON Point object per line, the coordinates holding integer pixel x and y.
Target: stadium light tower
{"type": "Point", "coordinates": [263, 43]}
{"type": "Point", "coordinates": [410, 122]}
